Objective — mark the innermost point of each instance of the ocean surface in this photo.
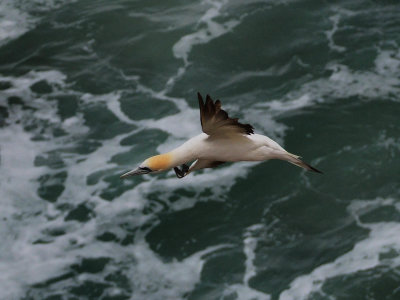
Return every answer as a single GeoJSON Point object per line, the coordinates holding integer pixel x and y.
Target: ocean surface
{"type": "Point", "coordinates": [90, 88]}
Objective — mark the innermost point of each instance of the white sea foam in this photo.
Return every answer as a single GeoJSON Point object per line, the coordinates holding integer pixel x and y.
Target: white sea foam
{"type": "Point", "coordinates": [295, 104]}
{"type": "Point", "coordinates": [380, 82]}
{"type": "Point", "coordinates": [76, 191]}
{"type": "Point", "coordinates": [21, 214]}
{"type": "Point", "coordinates": [17, 150]}
{"type": "Point", "coordinates": [16, 17]}
{"type": "Point", "coordinates": [172, 18]}
{"type": "Point", "coordinates": [242, 290]}
{"type": "Point", "coordinates": [54, 258]}
{"type": "Point", "coordinates": [22, 210]}
{"type": "Point", "coordinates": [150, 276]}
{"type": "Point", "coordinates": [211, 31]}
{"type": "Point", "coordinates": [13, 21]}
{"type": "Point", "coordinates": [246, 75]}
{"type": "Point", "coordinates": [17, 155]}
{"type": "Point", "coordinates": [75, 125]}
{"type": "Point", "coordinates": [330, 33]}
{"type": "Point", "coordinates": [382, 238]}
{"type": "Point", "coordinates": [387, 63]}
{"type": "Point", "coordinates": [21, 259]}
{"type": "Point", "coordinates": [340, 13]}
{"type": "Point", "coordinates": [265, 123]}
{"type": "Point", "coordinates": [207, 29]}
{"type": "Point", "coordinates": [389, 143]}
{"type": "Point", "coordinates": [21, 85]}
{"type": "Point", "coordinates": [112, 102]}
{"type": "Point", "coordinates": [196, 182]}
{"type": "Point", "coordinates": [250, 245]}
{"type": "Point", "coordinates": [173, 124]}
{"type": "Point", "coordinates": [162, 95]}
{"type": "Point", "coordinates": [25, 263]}
{"type": "Point", "coordinates": [156, 279]}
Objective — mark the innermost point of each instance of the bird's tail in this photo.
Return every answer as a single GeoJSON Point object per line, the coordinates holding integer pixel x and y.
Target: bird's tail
{"type": "Point", "coordinates": [295, 159]}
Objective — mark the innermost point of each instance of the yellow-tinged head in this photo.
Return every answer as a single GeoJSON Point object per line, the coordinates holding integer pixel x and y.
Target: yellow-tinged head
{"type": "Point", "coordinates": [156, 163]}
{"type": "Point", "coordinates": [159, 162]}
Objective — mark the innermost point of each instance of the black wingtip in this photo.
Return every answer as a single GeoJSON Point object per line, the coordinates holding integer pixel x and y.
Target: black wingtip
{"type": "Point", "coordinates": [315, 170]}
{"type": "Point", "coordinates": [311, 168]}
{"type": "Point", "coordinates": [201, 102]}
{"type": "Point", "coordinates": [249, 129]}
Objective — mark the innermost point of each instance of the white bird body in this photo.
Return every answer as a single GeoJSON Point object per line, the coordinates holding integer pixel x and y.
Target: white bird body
{"type": "Point", "coordinates": [223, 140]}
{"type": "Point", "coordinates": [232, 148]}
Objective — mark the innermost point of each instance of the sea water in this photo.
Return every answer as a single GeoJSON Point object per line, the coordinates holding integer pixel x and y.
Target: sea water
{"type": "Point", "coordinates": [89, 89]}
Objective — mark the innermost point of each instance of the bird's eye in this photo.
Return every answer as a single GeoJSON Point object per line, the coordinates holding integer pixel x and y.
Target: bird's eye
{"type": "Point", "coordinates": [145, 169]}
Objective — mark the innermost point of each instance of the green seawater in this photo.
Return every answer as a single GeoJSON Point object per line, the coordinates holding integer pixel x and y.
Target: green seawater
{"type": "Point", "coordinates": [89, 89]}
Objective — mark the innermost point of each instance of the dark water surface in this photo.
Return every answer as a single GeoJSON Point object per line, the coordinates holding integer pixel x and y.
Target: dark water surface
{"type": "Point", "coordinates": [89, 89]}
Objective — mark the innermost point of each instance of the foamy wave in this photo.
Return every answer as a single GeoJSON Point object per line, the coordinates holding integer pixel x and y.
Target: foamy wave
{"type": "Point", "coordinates": [21, 85]}
{"type": "Point", "coordinates": [148, 274]}
{"type": "Point", "coordinates": [176, 17]}
{"type": "Point", "coordinates": [248, 75]}
{"type": "Point", "coordinates": [156, 279]}
{"type": "Point", "coordinates": [212, 30]}
{"type": "Point", "coordinates": [207, 30]}
{"type": "Point", "coordinates": [16, 17]}
{"type": "Point", "coordinates": [56, 241]}
{"type": "Point", "coordinates": [382, 81]}
{"type": "Point", "coordinates": [18, 152]}
{"type": "Point", "coordinates": [41, 236]}
{"type": "Point", "coordinates": [330, 33]}
{"type": "Point", "coordinates": [242, 290]}
{"type": "Point", "coordinates": [335, 19]}
{"type": "Point", "coordinates": [366, 254]}
{"type": "Point", "coordinates": [23, 211]}
{"type": "Point", "coordinates": [13, 22]}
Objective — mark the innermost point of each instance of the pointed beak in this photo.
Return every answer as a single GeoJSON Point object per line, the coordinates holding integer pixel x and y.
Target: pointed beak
{"type": "Point", "coordinates": [137, 171]}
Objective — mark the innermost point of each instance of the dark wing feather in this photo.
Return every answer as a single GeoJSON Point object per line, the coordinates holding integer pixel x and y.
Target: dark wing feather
{"type": "Point", "coordinates": [214, 164]}
{"type": "Point", "coordinates": [215, 120]}
{"type": "Point", "coordinates": [204, 164]}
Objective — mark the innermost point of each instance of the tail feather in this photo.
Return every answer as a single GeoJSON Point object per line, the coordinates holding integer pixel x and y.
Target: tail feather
{"type": "Point", "coordinates": [293, 155]}
{"type": "Point", "coordinates": [295, 159]}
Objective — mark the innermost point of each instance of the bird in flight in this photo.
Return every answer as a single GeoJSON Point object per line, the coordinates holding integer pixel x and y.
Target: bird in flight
{"type": "Point", "coordinates": [224, 139]}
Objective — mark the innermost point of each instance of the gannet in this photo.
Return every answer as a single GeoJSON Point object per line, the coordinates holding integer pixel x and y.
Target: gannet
{"type": "Point", "coordinates": [224, 139]}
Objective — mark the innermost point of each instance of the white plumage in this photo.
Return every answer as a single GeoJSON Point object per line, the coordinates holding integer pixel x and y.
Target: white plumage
{"type": "Point", "coordinates": [223, 140]}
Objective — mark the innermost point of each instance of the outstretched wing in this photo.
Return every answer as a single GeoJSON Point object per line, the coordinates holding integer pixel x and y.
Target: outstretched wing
{"type": "Point", "coordinates": [215, 121]}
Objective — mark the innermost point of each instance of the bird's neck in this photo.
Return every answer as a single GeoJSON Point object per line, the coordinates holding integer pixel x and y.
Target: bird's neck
{"type": "Point", "coordinates": [188, 151]}
{"type": "Point", "coordinates": [185, 153]}
{"type": "Point", "coordinates": [181, 156]}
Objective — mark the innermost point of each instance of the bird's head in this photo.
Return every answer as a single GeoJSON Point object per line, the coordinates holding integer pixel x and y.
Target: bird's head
{"type": "Point", "coordinates": [153, 164]}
